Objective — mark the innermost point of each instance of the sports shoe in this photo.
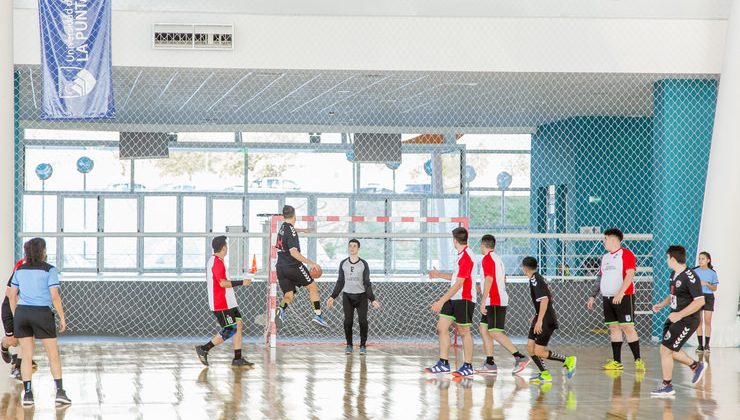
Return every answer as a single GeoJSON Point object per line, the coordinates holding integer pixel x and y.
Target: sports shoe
{"type": "Point", "coordinates": [242, 362]}
{"type": "Point", "coordinates": [488, 368]}
{"type": "Point", "coordinates": [279, 317]}
{"type": "Point", "coordinates": [6, 354]}
{"type": "Point", "coordinates": [612, 364]}
{"type": "Point", "coordinates": [700, 349]}
{"type": "Point", "coordinates": [319, 319]}
{"type": "Point", "coordinates": [28, 399]}
{"type": "Point", "coordinates": [439, 367]}
{"type": "Point", "coordinates": [542, 377]}
{"type": "Point", "coordinates": [202, 355]}
{"type": "Point", "coordinates": [698, 372]}
{"type": "Point", "coordinates": [465, 371]}
{"type": "Point", "coordinates": [363, 351]}
{"type": "Point", "coordinates": [520, 363]}
{"type": "Point", "coordinates": [17, 375]}
{"type": "Point", "coordinates": [61, 398]}
{"type": "Point", "coordinates": [707, 349]}
{"type": "Point", "coordinates": [570, 366]}
{"type": "Point", "coordinates": [663, 391]}
{"type": "Point", "coordinates": [348, 350]}
{"type": "Point", "coordinates": [640, 365]}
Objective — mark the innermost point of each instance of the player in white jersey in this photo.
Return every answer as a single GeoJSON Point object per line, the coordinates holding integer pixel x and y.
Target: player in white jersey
{"type": "Point", "coordinates": [617, 288]}
{"type": "Point", "coordinates": [457, 305]}
{"type": "Point", "coordinates": [493, 308]}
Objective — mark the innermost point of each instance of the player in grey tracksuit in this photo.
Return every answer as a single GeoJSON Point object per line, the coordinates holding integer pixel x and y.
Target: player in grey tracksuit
{"type": "Point", "coordinates": [354, 282]}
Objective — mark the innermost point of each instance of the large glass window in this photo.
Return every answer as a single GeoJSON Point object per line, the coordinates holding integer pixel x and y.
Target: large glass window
{"type": "Point", "coordinates": [290, 171]}
{"type": "Point", "coordinates": [189, 170]}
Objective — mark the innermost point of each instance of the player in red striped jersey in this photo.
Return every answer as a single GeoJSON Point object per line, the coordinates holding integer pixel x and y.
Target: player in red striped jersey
{"type": "Point", "coordinates": [493, 308]}
{"type": "Point", "coordinates": [457, 305]}
{"type": "Point", "coordinates": [222, 301]}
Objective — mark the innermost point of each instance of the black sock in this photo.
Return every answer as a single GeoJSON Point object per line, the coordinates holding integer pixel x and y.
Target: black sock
{"type": "Point", "coordinates": [540, 364]}
{"type": "Point", "coordinates": [284, 305]}
{"type": "Point", "coordinates": [666, 382]}
{"type": "Point", "coordinates": [701, 340]}
{"type": "Point", "coordinates": [489, 360]}
{"type": "Point", "coordinates": [18, 363]}
{"type": "Point", "coordinates": [517, 354]}
{"type": "Point", "coordinates": [27, 386]}
{"type": "Point", "coordinates": [617, 351]}
{"type": "Point", "coordinates": [635, 347]}
{"type": "Point", "coordinates": [706, 342]}
{"type": "Point", "coordinates": [58, 382]}
{"type": "Point", "coordinates": [207, 346]}
{"type": "Point", "coordinates": [237, 354]}
{"type": "Point", "coordinates": [317, 307]}
{"type": "Point", "coordinates": [694, 365]}
{"type": "Point", "coordinates": [444, 361]}
{"type": "Point", "coordinates": [555, 356]}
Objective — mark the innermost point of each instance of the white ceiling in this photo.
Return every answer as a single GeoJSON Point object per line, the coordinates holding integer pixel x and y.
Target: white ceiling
{"type": "Point", "coordinates": [427, 100]}
{"type": "Point", "coordinates": [653, 9]}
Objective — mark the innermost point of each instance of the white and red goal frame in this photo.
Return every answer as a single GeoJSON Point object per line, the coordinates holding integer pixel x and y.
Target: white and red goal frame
{"type": "Point", "coordinates": [272, 283]}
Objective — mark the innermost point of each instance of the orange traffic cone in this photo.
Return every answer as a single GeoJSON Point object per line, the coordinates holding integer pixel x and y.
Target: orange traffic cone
{"type": "Point", "coordinates": [254, 264]}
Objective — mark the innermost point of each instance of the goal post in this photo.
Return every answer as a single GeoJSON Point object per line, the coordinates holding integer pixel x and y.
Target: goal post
{"type": "Point", "coordinates": [271, 332]}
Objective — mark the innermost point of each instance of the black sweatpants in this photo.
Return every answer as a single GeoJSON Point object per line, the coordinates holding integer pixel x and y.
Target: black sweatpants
{"type": "Point", "coordinates": [350, 302]}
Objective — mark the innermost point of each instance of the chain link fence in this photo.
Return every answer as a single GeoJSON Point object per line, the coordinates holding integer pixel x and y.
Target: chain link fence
{"type": "Point", "coordinates": [128, 205]}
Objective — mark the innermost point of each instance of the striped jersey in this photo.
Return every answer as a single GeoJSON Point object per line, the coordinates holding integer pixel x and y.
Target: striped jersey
{"type": "Point", "coordinates": [219, 298]}
{"type": "Point", "coordinates": [614, 266]}
{"type": "Point", "coordinates": [493, 267]}
{"type": "Point", "coordinates": [464, 269]}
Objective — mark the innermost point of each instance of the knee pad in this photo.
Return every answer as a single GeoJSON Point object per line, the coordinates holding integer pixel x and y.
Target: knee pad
{"type": "Point", "coordinates": [227, 332]}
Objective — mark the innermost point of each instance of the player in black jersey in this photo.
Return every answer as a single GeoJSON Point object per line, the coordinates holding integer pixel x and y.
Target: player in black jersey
{"type": "Point", "coordinates": [544, 323]}
{"type": "Point", "coordinates": [686, 300]}
{"type": "Point", "coordinates": [291, 271]}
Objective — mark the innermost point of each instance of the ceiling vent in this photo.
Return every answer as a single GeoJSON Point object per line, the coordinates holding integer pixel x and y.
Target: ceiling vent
{"type": "Point", "coordinates": [183, 36]}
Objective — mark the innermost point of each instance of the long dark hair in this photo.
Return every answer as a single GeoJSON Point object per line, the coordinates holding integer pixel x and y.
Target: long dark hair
{"type": "Point", "coordinates": [709, 257]}
{"type": "Point", "coordinates": [35, 250]}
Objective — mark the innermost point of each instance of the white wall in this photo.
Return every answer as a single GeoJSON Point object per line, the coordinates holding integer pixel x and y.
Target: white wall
{"type": "Point", "coordinates": [417, 43]}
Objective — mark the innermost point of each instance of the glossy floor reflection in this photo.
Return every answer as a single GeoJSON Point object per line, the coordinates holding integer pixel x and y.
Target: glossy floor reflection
{"type": "Point", "coordinates": [132, 380]}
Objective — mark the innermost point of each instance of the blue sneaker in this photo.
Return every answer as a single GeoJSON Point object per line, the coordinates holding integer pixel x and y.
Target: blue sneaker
{"type": "Point", "coordinates": [363, 351]}
{"type": "Point", "coordinates": [439, 367]}
{"type": "Point", "coordinates": [464, 371]}
{"type": "Point", "coordinates": [348, 350]}
{"type": "Point", "coordinates": [279, 317]}
{"type": "Point", "coordinates": [663, 391]}
{"type": "Point", "coordinates": [698, 372]}
{"type": "Point", "coordinates": [320, 320]}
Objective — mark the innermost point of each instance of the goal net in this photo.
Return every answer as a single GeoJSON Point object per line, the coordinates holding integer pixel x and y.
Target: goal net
{"type": "Point", "coordinates": [401, 250]}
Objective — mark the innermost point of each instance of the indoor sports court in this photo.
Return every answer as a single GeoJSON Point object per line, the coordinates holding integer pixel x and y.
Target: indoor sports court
{"type": "Point", "coordinates": [369, 210]}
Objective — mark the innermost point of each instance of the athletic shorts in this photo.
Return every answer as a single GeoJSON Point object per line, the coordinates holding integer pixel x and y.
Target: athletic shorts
{"type": "Point", "coordinates": [228, 317]}
{"type": "Point", "coordinates": [675, 335]}
{"type": "Point", "coordinates": [292, 276]}
{"type": "Point", "coordinates": [7, 315]}
{"type": "Point", "coordinates": [709, 302]}
{"type": "Point", "coordinates": [543, 338]}
{"type": "Point", "coordinates": [461, 311]}
{"type": "Point", "coordinates": [495, 318]}
{"type": "Point", "coordinates": [34, 321]}
{"type": "Point", "coordinates": [623, 313]}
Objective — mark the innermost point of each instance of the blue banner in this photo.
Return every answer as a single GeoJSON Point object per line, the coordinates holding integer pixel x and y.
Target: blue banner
{"type": "Point", "coordinates": [76, 59]}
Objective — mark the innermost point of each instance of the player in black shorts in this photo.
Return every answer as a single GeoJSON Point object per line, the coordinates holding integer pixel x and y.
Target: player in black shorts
{"type": "Point", "coordinates": [291, 271]}
{"type": "Point", "coordinates": [686, 300]}
{"type": "Point", "coordinates": [10, 340]}
{"type": "Point", "coordinates": [544, 323]}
